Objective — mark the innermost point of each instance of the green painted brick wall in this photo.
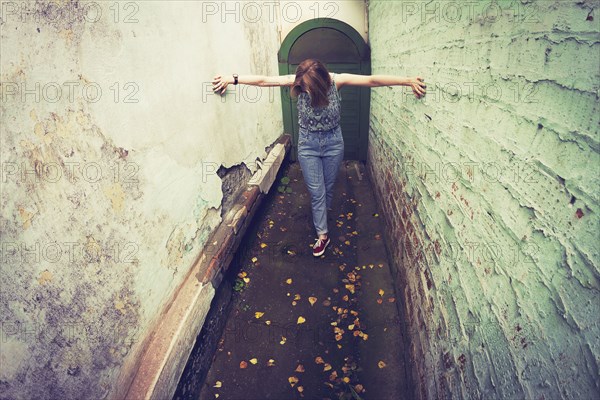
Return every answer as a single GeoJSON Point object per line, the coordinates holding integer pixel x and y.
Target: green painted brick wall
{"type": "Point", "coordinates": [490, 190]}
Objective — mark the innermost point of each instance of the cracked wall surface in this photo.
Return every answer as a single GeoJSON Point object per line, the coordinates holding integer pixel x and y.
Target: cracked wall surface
{"type": "Point", "coordinates": [111, 139]}
{"type": "Point", "coordinates": [490, 186]}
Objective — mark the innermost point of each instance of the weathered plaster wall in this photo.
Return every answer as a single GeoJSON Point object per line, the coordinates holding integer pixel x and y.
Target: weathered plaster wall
{"type": "Point", "coordinates": [490, 189]}
{"type": "Point", "coordinates": [111, 140]}
{"type": "Point", "coordinates": [292, 12]}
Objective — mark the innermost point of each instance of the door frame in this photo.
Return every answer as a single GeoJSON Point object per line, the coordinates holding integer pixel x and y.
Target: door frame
{"type": "Point", "coordinates": [289, 125]}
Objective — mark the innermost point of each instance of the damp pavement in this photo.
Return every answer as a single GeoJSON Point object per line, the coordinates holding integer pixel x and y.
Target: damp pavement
{"type": "Point", "coordinates": [302, 327]}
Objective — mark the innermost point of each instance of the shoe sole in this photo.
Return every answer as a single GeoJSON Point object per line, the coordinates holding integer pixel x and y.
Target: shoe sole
{"type": "Point", "coordinates": [322, 251]}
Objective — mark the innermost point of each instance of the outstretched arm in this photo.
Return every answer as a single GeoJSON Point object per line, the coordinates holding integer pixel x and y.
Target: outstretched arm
{"type": "Point", "coordinates": [415, 83]}
{"type": "Point", "coordinates": [220, 82]}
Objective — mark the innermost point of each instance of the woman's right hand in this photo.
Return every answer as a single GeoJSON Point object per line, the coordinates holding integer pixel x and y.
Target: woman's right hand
{"type": "Point", "coordinates": [220, 84]}
{"type": "Point", "coordinates": [418, 87]}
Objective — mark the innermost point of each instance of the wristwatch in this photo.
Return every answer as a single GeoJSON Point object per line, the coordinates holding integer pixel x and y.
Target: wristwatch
{"type": "Point", "coordinates": [235, 79]}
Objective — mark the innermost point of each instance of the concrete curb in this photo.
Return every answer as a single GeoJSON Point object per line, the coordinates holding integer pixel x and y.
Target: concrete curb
{"type": "Point", "coordinates": [164, 357]}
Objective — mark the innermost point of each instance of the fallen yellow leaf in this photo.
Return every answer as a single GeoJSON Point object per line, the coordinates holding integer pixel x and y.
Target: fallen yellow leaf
{"type": "Point", "coordinates": [217, 384]}
{"type": "Point", "coordinates": [288, 281]}
{"type": "Point", "coordinates": [301, 320]}
{"type": "Point", "coordinates": [381, 292]}
{"type": "Point", "coordinates": [263, 245]}
{"type": "Point", "coordinates": [319, 360]}
{"type": "Point", "coordinates": [346, 379]}
{"type": "Point", "coordinates": [253, 360]}
{"type": "Point", "coordinates": [381, 364]}
{"type": "Point", "coordinates": [246, 280]}
{"type": "Point", "coordinates": [271, 362]}
{"type": "Point", "coordinates": [283, 339]}
{"type": "Point", "coordinates": [268, 322]}
{"type": "Point", "coordinates": [350, 288]}
{"type": "Point", "coordinates": [293, 380]}
{"type": "Point", "coordinates": [300, 368]}
{"type": "Point", "coordinates": [258, 314]}
{"type": "Point", "coordinates": [300, 389]}
{"type": "Point", "coordinates": [297, 297]}
{"type": "Point", "coordinates": [327, 367]}
{"type": "Point", "coordinates": [312, 300]}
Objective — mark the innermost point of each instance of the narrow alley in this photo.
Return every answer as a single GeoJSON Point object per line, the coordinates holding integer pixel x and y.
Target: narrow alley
{"type": "Point", "coordinates": [156, 229]}
{"type": "Point", "coordinates": [306, 327]}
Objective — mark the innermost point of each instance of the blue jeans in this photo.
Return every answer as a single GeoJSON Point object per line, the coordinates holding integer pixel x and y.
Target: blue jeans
{"type": "Point", "coordinates": [320, 155]}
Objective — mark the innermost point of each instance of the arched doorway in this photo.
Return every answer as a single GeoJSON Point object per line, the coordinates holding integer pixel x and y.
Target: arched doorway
{"type": "Point", "coordinates": [342, 49]}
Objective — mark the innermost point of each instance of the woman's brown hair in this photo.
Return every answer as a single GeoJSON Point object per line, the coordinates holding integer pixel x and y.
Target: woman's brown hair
{"type": "Point", "coordinates": [313, 78]}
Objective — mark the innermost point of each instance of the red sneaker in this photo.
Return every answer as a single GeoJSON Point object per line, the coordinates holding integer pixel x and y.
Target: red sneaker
{"type": "Point", "coordinates": [319, 247]}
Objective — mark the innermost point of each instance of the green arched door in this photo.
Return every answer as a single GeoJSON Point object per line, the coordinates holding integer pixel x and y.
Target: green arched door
{"type": "Point", "coordinates": [342, 49]}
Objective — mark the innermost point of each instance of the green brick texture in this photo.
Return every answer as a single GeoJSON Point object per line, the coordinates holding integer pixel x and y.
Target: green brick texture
{"type": "Point", "coordinates": [489, 186]}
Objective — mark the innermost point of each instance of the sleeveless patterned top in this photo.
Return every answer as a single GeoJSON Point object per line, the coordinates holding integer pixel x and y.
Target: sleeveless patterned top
{"type": "Point", "coordinates": [320, 118]}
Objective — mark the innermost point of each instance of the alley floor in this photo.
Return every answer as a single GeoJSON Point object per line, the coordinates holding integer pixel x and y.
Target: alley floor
{"type": "Point", "coordinates": [306, 327]}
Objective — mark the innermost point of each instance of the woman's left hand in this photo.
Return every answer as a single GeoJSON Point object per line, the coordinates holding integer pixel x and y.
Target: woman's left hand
{"type": "Point", "coordinates": [220, 84]}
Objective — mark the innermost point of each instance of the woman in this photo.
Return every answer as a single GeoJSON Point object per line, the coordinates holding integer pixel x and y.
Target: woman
{"type": "Point", "coordinates": [320, 141]}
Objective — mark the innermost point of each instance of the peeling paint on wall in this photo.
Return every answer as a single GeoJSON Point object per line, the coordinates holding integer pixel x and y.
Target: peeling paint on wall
{"type": "Point", "coordinates": [109, 178]}
{"type": "Point", "coordinates": [490, 186]}
{"type": "Point", "coordinates": [235, 180]}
